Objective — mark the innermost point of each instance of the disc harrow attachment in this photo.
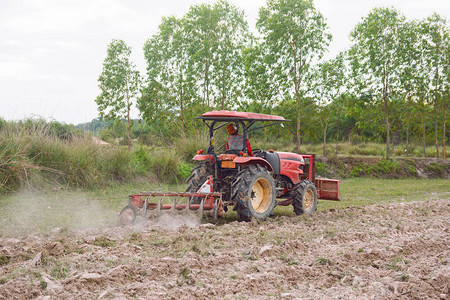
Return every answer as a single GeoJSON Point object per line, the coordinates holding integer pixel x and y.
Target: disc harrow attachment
{"type": "Point", "coordinates": [192, 205]}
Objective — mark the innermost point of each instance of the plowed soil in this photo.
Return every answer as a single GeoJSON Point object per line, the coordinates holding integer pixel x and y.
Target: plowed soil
{"type": "Point", "coordinates": [382, 251]}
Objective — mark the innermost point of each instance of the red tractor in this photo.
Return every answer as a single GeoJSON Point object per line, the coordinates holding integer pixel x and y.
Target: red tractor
{"type": "Point", "coordinates": [249, 184]}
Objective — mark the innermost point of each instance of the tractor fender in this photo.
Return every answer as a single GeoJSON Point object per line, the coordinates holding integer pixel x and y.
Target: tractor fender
{"type": "Point", "coordinates": [203, 157]}
{"type": "Point", "coordinates": [291, 165]}
{"type": "Point", "coordinates": [250, 160]}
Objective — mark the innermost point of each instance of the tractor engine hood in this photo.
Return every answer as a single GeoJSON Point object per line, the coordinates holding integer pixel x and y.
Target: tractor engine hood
{"type": "Point", "coordinates": [291, 156]}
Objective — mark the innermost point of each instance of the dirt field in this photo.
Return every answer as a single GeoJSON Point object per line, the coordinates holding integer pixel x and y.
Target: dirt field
{"type": "Point", "coordinates": [381, 251]}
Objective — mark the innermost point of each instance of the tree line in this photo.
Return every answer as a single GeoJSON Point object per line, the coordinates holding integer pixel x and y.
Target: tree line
{"type": "Point", "coordinates": [391, 84]}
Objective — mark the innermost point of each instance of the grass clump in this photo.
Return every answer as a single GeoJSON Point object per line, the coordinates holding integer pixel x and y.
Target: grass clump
{"type": "Point", "coordinates": [169, 167]}
{"type": "Point", "coordinates": [104, 242]}
{"type": "Point", "coordinates": [35, 153]}
{"type": "Point", "coordinates": [438, 169]}
{"type": "Point", "coordinates": [384, 168]}
{"type": "Point", "coordinates": [4, 260]}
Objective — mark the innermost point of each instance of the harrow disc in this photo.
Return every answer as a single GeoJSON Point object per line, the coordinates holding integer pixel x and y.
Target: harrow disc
{"type": "Point", "coordinates": [127, 215]}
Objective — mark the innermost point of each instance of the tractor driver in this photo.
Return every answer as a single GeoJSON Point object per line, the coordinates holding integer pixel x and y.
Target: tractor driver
{"type": "Point", "coordinates": [235, 141]}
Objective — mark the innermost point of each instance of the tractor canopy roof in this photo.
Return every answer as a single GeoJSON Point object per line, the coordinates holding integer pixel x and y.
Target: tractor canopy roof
{"type": "Point", "coordinates": [226, 115]}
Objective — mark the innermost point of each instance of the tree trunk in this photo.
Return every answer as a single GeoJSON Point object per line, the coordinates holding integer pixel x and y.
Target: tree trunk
{"type": "Point", "coordinates": [436, 133]}
{"type": "Point", "coordinates": [424, 127]}
{"type": "Point", "coordinates": [407, 129]}
{"type": "Point", "coordinates": [128, 117]}
{"type": "Point", "coordinates": [386, 112]}
{"type": "Point", "coordinates": [129, 128]}
{"type": "Point", "coordinates": [325, 139]}
{"type": "Point", "coordinates": [388, 137]}
{"type": "Point", "coordinates": [436, 142]}
{"type": "Point", "coordinates": [444, 139]}
{"type": "Point", "coordinates": [181, 116]}
{"type": "Point", "coordinates": [337, 137]}
{"type": "Point", "coordinates": [298, 126]}
{"type": "Point", "coordinates": [407, 138]}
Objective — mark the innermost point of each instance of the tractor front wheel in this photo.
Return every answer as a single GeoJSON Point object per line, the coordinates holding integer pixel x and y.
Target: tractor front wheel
{"type": "Point", "coordinates": [304, 198]}
{"type": "Point", "coordinates": [253, 192]}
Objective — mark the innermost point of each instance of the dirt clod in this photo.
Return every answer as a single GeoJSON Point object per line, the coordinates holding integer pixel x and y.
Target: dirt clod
{"type": "Point", "coordinates": [55, 248]}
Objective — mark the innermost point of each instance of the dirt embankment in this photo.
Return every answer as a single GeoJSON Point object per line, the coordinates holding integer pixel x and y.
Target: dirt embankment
{"type": "Point", "coordinates": [346, 167]}
{"type": "Point", "coordinates": [382, 251]}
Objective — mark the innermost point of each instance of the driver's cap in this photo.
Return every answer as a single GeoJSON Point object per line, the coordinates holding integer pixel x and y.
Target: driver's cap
{"type": "Point", "coordinates": [231, 128]}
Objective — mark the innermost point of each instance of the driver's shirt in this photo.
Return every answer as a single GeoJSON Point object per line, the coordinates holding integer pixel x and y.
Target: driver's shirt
{"type": "Point", "coordinates": [235, 142]}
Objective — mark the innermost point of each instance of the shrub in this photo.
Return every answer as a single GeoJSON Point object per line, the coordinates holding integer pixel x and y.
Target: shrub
{"type": "Point", "coordinates": [117, 162]}
{"type": "Point", "coordinates": [164, 164]}
{"type": "Point", "coordinates": [356, 139]}
{"type": "Point", "coordinates": [437, 169]}
{"type": "Point", "coordinates": [398, 151]}
{"type": "Point", "coordinates": [384, 168]}
{"type": "Point", "coordinates": [186, 148]}
{"type": "Point", "coordinates": [141, 159]}
{"type": "Point", "coordinates": [185, 170]}
{"type": "Point", "coordinates": [107, 135]}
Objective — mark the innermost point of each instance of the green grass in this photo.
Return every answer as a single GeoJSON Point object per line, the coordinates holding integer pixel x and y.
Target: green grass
{"type": "Point", "coordinates": [366, 191]}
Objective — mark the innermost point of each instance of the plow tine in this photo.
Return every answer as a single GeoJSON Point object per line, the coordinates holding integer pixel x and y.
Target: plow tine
{"type": "Point", "coordinates": [158, 208]}
{"type": "Point", "coordinates": [188, 204]}
{"type": "Point", "coordinates": [200, 210]}
{"type": "Point", "coordinates": [144, 210]}
{"type": "Point", "coordinates": [174, 205]}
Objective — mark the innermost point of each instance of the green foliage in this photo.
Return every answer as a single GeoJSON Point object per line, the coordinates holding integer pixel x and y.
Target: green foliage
{"type": "Point", "coordinates": [184, 170]}
{"type": "Point", "coordinates": [437, 169]}
{"type": "Point", "coordinates": [119, 83]}
{"type": "Point", "coordinates": [322, 169]}
{"type": "Point", "coordinates": [296, 35]}
{"type": "Point", "coordinates": [384, 169]}
{"type": "Point", "coordinates": [186, 148]}
{"type": "Point", "coordinates": [168, 166]}
{"type": "Point", "coordinates": [194, 63]}
{"type": "Point", "coordinates": [29, 153]}
{"type": "Point", "coordinates": [356, 139]}
{"type": "Point", "coordinates": [375, 53]}
{"type": "Point", "coordinates": [395, 89]}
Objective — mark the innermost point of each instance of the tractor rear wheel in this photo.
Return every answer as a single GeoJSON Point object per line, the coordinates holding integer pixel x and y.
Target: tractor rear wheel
{"type": "Point", "coordinates": [253, 192]}
{"type": "Point", "coordinates": [304, 198]}
{"type": "Point", "coordinates": [199, 174]}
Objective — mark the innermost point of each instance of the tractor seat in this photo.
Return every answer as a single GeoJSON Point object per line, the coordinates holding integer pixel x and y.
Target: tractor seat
{"type": "Point", "coordinates": [273, 159]}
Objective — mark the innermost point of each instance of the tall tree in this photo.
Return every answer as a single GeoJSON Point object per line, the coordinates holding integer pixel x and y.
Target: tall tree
{"type": "Point", "coordinates": [375, 53]}
{"type": "Point", "coordinates": [219, 34]}
{"type": "Point", "coordinates": [171, 86]}
{"type": "Point", "coordinates": [446, 102]}
{"type": "Point", "coordinates": [259, 88]}
{"type": "Point", "coordinates": [119, 84]}
{"type": "Point", "coordinates": [330, 86]}
{"type": "Point", "coordinates": [435, 39]}
{"type": "Point", "coordinates": [410, 76]}
{"type": "Point", "coordinates": [297, 36]}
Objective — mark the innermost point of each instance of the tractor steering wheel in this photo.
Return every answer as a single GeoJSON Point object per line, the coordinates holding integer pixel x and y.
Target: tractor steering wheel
{"type": "Point", "coordinates": [257, 151]}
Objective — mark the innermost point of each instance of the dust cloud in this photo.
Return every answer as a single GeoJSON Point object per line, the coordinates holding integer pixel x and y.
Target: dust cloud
{"type": "Point", "coordinates": [173, 221]}
{"type": "Point", "coordinates": [39, 212]}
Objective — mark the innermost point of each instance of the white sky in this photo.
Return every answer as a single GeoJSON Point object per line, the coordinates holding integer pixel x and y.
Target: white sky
{"type": "Point", "coordinates": [51, 51]}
